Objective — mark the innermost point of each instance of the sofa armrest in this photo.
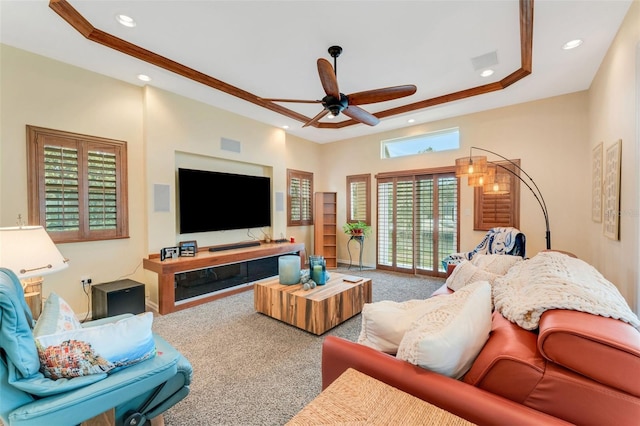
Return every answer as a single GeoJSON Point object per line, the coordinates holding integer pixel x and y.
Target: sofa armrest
{"type": "Point", "coordinates": [600, 341]}
{"type": "Point", "coordinates": [459, 398]}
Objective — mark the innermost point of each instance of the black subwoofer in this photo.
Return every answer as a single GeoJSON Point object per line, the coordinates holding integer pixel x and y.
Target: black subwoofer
{"type": "Point", "coordinates": [117, 297]}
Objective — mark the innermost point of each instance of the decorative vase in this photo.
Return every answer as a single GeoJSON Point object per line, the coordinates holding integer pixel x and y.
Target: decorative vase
{"type": "Point", "coordinates": [318, 269]}
{"type": "Point", "coordinates": [289, 269]}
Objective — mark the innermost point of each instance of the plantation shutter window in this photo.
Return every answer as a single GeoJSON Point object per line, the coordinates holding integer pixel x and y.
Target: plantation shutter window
{"type": "Point", "coordinates": [359, 198]}
{"type": "Point", "coordinates": [417, 220]}
{"type": "Point", "coordinates": [499, 210]}
{"type": "Point", "coordinates": [61, 188]}
{"type": "Point", "coordinates": [300, 198]}
{"type": "Point", "coordinates": [385, 222]}
{"type": "Point", "coordinates": [77, 185]}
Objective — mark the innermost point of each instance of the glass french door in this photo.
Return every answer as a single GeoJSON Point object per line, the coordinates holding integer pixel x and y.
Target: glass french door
{"type": "Point", "coordinates": [417, 222]}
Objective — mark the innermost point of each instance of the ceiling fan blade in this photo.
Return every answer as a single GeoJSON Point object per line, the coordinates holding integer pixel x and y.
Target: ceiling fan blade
{"type": "Point", "coordinates": [300, 101]}
{"type": "Point", "coordinates": [360, 115]}
{"type": "Point", "coordinates": [381, 95]}
{"type": "Point", "coordinates": [316, 118]}
{"type": "Point", "coordinates": [328, 78]}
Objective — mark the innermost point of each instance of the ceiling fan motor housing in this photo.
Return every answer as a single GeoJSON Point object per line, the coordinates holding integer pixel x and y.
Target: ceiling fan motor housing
{"type": "Point", "coordinates": [335, 105]}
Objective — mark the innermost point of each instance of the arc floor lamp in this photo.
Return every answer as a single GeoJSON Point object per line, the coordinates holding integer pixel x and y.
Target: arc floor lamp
{"type": "Point", "coordinates": [480, 172]}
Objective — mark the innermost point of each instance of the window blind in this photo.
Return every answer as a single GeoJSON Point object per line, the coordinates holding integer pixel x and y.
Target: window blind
{"type": "Point", "coordinates": [61, 188]}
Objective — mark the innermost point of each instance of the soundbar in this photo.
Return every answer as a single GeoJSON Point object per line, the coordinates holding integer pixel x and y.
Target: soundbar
{"type": "Point", "coordinates": [235, 246]}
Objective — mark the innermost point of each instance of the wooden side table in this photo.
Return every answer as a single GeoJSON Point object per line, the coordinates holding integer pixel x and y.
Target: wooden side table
{"type": "Point", "coordinates": [357, 399]}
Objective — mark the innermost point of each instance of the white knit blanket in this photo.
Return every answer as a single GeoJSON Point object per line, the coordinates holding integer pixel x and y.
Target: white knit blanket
{"type": "Point", "coordinates": [552, 280]}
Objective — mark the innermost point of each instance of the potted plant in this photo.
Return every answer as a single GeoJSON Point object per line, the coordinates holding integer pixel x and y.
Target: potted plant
{"type": "Point", "coordinates": [357, 229]}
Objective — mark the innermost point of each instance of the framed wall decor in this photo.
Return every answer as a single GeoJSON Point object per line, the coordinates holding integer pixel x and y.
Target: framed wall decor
{"type": "Point", "coordinates": [611, 191]}
{"type": "Point", "coordinates": [596, 184]}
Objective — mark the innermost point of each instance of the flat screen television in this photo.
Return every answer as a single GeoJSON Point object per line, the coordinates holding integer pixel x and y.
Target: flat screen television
{"type": "Point", "coordinates": [215, 201]}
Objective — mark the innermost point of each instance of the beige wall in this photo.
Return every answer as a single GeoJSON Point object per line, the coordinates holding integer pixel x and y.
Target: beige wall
{"type": "Point", "coordinates": [614, 111]}
{"type": "Point", "coordinates": [46, 93]}
{"type": "Point", "coordinates": [552, 137]}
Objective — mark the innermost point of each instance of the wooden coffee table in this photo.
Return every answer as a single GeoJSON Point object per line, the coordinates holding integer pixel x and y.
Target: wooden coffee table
{"type": "Point", "coordinates": [316, 310]}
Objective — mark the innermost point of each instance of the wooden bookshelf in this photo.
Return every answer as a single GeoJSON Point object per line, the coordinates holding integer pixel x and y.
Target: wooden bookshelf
{"type": "Point", "coordinates": [325, 227]}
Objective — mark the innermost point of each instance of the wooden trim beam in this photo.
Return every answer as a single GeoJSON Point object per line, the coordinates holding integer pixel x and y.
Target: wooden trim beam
{"type": "Point", "coordinates": [84, 27]}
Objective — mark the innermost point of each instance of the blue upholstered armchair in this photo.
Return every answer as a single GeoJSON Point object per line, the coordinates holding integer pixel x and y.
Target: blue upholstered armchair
{"type": "Point", "coordinates": [137, 393]}
{"type": "Point", "coordinates": [503, 240]}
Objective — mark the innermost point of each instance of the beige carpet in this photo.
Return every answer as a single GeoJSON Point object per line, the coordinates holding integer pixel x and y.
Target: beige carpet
{"type": "Point", "coordinates": [250, 369]}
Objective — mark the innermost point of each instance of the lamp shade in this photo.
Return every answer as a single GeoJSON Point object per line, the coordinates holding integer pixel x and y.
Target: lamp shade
{"type": "Point", "coordinates": [471, 165]}
{"type": "Point", "coordinates": [29, 251]}
{"type": "Point", "coordinates": [501, 185]}
{"type": "Point", "coordinates": [481, 179]}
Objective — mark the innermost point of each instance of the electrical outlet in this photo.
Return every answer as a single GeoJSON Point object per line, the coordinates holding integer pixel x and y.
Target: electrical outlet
{"type": "Point", "coordinates": [85, 280]}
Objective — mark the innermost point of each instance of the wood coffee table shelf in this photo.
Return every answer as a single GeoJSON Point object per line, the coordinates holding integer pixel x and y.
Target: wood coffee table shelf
{"type": "Point", "coordinates": [316, 310]}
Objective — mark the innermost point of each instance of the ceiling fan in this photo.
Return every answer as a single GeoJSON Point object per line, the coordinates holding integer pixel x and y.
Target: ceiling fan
{"type": "Point", "coordinates": [336, 102]}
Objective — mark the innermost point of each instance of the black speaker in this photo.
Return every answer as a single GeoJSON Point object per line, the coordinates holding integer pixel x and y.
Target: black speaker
{"type": "Point", "coordinates": [117, 297]}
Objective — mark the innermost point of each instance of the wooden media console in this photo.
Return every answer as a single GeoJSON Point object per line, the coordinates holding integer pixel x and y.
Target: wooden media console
{"type": "Point", "coordinates": [231, 271]}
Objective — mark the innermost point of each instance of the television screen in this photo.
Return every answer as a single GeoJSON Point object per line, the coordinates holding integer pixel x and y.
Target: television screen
{"type": "Point", "coordinates": [214, 201]}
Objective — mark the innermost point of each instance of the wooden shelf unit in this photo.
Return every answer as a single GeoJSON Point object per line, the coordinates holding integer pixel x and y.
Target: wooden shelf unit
{"type": "Point", "coordinates": [325, 227]}
{"type": "Point", "coordinates": [166, 270]}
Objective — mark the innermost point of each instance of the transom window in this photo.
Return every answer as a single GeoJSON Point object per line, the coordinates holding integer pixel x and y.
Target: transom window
{"type": "Point", "coordinates": [77, 185]}
{"type": "Point", "coordinates": [441, 140]}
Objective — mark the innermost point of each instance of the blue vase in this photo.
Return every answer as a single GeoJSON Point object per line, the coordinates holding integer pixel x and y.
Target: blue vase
{"type": "Point", "coordinates": [318, 269]}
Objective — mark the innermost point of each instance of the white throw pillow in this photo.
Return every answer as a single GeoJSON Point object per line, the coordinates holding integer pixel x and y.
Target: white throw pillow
{"type": "Point", "coordinates": [96, 349]}
{"type": "Point", "coordinates": [466, 273]}
{"type": "Point", "coordinates": [56, 317]}
{"type": "Point", "coordinates": [384, 323]}
{"type": "Point", "coordinates": [495, 263]}
{"type": "Point", "coordinates": [447, 340]}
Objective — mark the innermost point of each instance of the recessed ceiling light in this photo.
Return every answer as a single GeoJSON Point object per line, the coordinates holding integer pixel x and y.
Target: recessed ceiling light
{"type": "Point", "coordinates": [285, 127]}
{"type": "Point", "coordinates": [486, 73]}
{"type": "Point", "coordinates": [572, 44]}
{"type": "Point", "coordinates": [144, 77]}
{"type": "Point", "coordinates": [411, 120]}
{"type": "Point", "coordinates": [125, 20]}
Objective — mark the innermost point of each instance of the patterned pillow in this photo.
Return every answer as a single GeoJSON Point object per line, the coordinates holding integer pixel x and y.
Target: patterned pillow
{"type": "Point", "coordinates": [447, 340]}
{"type": "Point", "coordinates": [99, 349]}
{"type": "Point", "coordinates": [56, 317]}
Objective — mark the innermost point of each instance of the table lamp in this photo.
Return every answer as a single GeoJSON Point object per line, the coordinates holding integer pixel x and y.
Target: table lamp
{"type": "Point", "coordinates": [30, 253]}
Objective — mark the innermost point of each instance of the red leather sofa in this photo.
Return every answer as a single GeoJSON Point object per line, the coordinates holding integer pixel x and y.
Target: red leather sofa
{"type": "Point", "coordinates": [577, 367]}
